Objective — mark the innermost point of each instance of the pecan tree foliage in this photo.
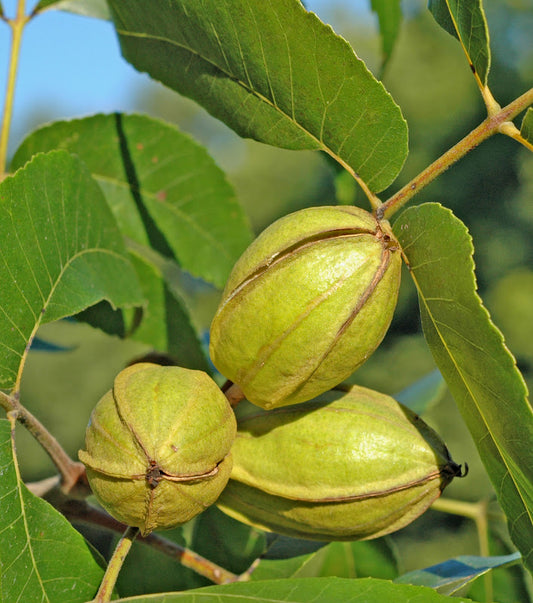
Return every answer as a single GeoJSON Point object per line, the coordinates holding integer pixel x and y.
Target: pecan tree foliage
{"type": "Point", "coordinates": [102, 216]}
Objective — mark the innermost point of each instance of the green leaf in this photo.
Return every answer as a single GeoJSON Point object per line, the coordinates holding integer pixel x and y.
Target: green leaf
{"type": "Point", "coordinates": [424, 393]}
{"type": "Point", "coordinates": [166, 325]}
{"type": "Point", "coordinates": [465, 20]}
{"type": "Point", "coordinates": [450, 576]}
{"type": "Point", "coordinates": [271, 71]}
{"type": "Point", "coordinates": [471, 355]}
{"type": "Point", "coordinates": [509, 299]}
{"type": "Point", "coordinates": [526, 130]}
{"type": "Point", "coordinates": [317, 590]}
{"type": "Point", "coordinates": [60, 251]}
{"type": "Point", "coordinates": [87, 8]}
{"type": "Point", "coordinates": [341, 559]}
{"type": "Point", "coordinates": [277, 569]}
{"type": "Point", "coordinates": [361, 559]}
{"type": "Point", "coordinates": [42, 557]}
{"type": "Point", "coordinates": [156, 180]}
{"type": "Point", "coordinates": [389, 14]}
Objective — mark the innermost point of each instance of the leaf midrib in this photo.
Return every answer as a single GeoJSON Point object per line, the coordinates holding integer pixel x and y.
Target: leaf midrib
{"type": "Point", "coordinates": [46, 302]}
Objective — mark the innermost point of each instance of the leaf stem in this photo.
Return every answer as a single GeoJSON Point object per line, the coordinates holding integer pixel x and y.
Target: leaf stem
{"type": "Point", "coordinates": [115, 565]}
{"type": "Point", "coordinates": [71, 472]}
{"type": "Point", "coordinates": [17, 28]}
{"type": "Point", "coordinates": [497, 122]}
{"type": "Point", "coordinates": [458, 507]}
{"type": "Point", "coordinates": [373, 199]}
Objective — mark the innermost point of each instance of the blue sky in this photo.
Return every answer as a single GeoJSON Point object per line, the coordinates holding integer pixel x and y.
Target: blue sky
{"type": "Point", "coordinates": [71, 66]}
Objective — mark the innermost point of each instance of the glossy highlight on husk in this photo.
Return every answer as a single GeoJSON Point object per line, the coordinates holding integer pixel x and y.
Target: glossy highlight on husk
{"type": "Point", "coordinates": [306, 304]}
{"type": "Point", "coordinates": [346, 466]}
{"type": "Point", "coordinates": [158, 446]}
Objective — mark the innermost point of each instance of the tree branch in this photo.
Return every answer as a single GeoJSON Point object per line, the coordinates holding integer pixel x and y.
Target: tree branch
{"type": "Point", "coordinates": [72, 472]}
{"type": "Point", "coordinates": [80, 511]}
{"type": "Point", "coordinates": [493, 124]}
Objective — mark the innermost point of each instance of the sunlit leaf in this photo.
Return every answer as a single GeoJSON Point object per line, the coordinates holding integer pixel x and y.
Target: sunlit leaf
{"type": "Point", "coordinates": [471, 355]}
{"type": "Point", "coordinates": [465, 20]}
{"type": "Point", "coordinates": [60, 252]}
{"type": "Point", "coordinates": [526, 130]}
{"type": "Point", "coordinates": [389, 14]}
{"type": "Point", "coordinates": [87, 8]}
{"type": "Point", "coordinates": [42, 557]}
{"type": "Point", "coordinates": [304, 590]}
{"type": "Point", "coordinates": [271, 71]}
{"type": "Point", "coordinates": [450, 576]}
{"type": "Point", "coordinates": [157, 180]}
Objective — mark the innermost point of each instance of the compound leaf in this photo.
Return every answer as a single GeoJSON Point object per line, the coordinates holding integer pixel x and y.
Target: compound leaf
{"type": "Point", "coordinates": [470, 353]}
{"type": "Point", "coordinates": [272, 71]}
{"type": "Point", "coordinates": [60, 252]}
{"type": "Point", "coordinates": [157, 180]}
{"type": "Point", "coordinates": [42, 557]}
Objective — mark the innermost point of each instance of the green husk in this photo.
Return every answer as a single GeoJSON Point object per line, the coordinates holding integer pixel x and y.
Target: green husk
{"type": "Point", "coordinates": [306, 304]}
{"type": "Point", "coordinates": [158, 446]}
{"type": "Point", "coordinates": [345, 466]}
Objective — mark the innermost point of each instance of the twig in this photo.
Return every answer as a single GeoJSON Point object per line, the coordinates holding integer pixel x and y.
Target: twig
{"type": "Point", "coordinates": [233, 393]}
{"type": "Point", "coordinates": [72, 472]}
{"type": "Point", "coordinates": [80, 511]}
{"type": "Point", "coordinates": [17, 27]}
{"type": "Point", "coordinates": [493, 124]}
{"type": "Point", "coordinates": [115, 565]}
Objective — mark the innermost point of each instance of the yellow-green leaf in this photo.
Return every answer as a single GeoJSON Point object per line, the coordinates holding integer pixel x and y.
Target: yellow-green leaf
{"type": "Point", "coordinates": [526, 130]}
{"type": "Point", "coordinates": [42, 557]}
